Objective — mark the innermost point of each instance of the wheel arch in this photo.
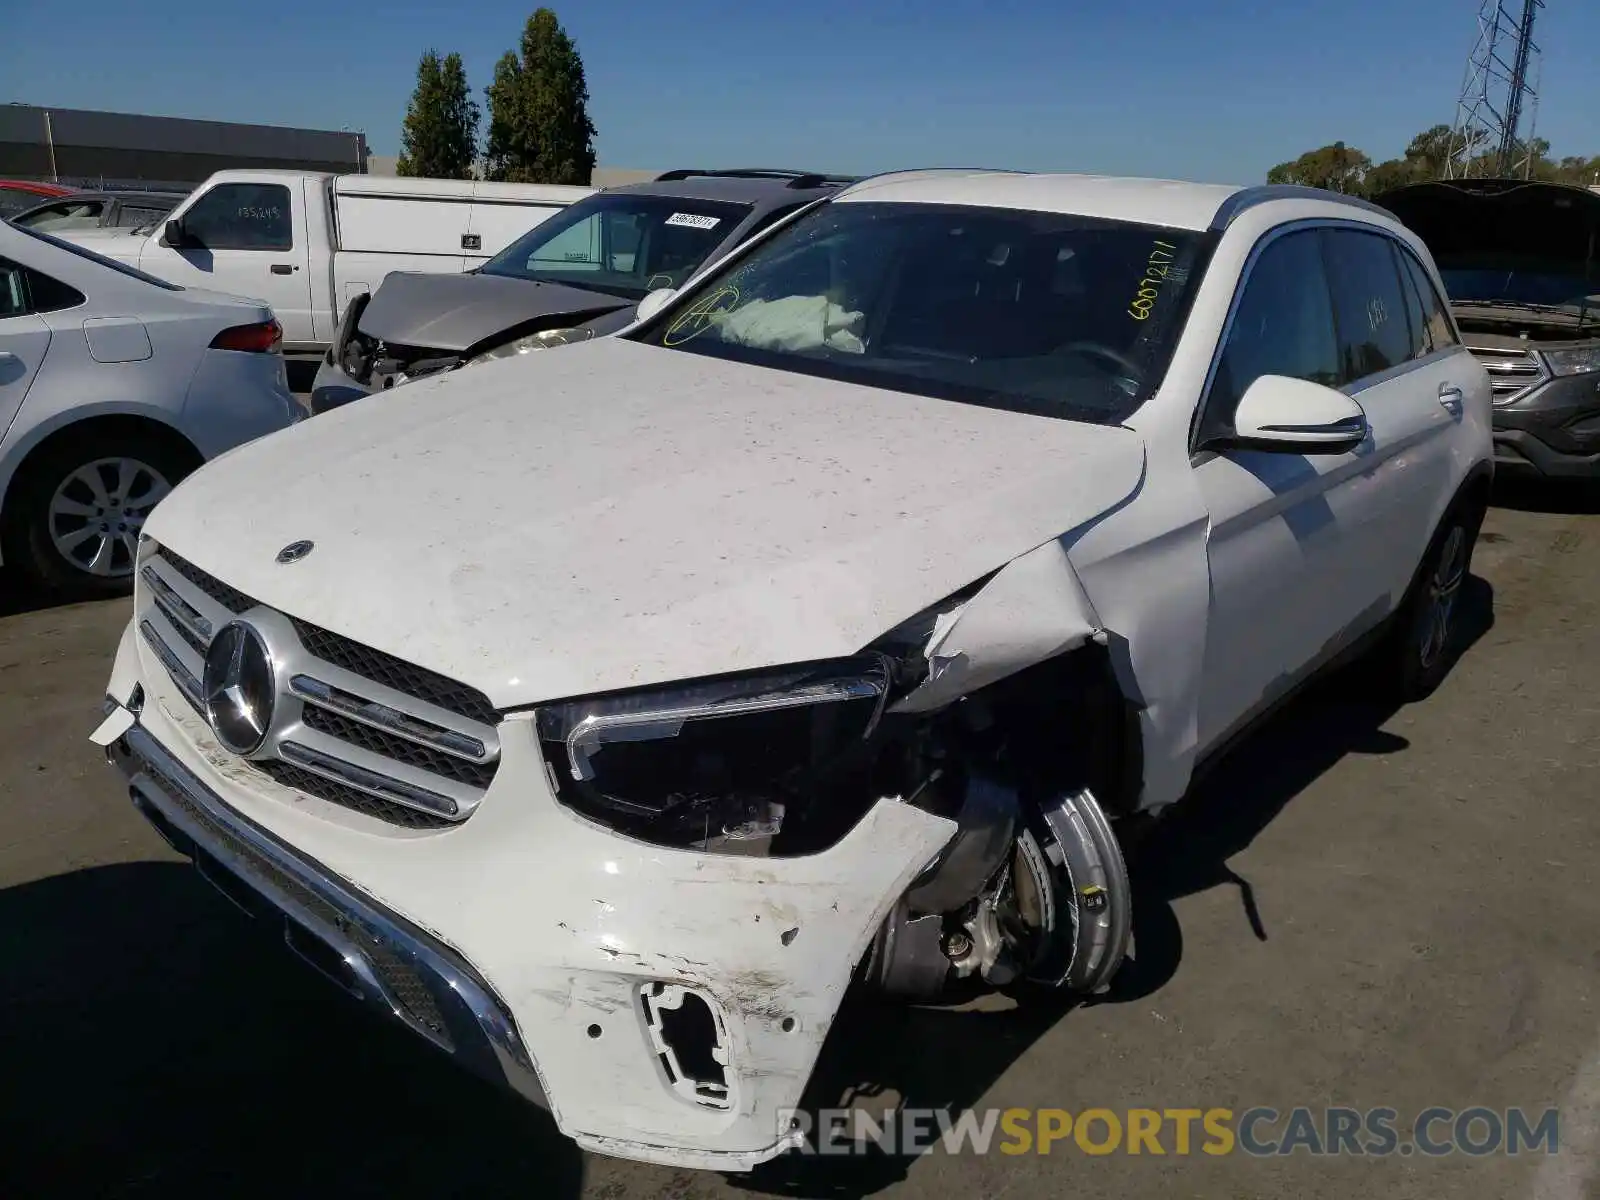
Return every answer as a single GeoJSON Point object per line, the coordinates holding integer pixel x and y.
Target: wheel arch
{"type": "Point", "coordinates": [108, 421]}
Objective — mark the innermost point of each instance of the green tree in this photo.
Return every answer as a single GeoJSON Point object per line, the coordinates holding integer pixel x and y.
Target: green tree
{"type": "Point", "coordinates": [539, 126]}
{"type": "Point", "coordinates": [440, 137]}
{"type": "Point", "coordinates": [1338, 168]}
{"type": "Point", "coordinates": [1429, 153]}
{"type": "Point", "coordinates": [1390, 174]}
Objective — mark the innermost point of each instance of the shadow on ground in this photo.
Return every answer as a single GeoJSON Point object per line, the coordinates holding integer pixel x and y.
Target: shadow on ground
{"type": "Point", "coordinates": [16, 598]}
{"type": "Point", "coordinates": [157, 1044]}
{"type": "Point", "coordinates": [931, 1058]}
{"type": "Point", "coordinates": [1556, 496]}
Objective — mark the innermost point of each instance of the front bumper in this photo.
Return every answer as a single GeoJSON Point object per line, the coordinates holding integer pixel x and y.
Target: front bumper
{"type": "Point", "coordinates": [536, 935]}
{"type": "Point", "coordinates": [333, 388]}
{"type": "Point", "coordinates": [1554, 431]}
{"type": "Point", "coordinates": [378, 956]}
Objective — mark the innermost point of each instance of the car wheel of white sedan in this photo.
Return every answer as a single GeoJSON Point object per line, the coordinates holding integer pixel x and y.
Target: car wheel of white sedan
{"type": "Point", "coordinates": [82, 509]}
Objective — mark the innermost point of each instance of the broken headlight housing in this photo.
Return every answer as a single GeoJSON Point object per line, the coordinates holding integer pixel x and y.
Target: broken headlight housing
{"type": "Point", "coordinates": [1578, 361]}
{"type": "Point", "coordinates": [543, 340]}
{"type": "Point", "coordinates": [772, 762]}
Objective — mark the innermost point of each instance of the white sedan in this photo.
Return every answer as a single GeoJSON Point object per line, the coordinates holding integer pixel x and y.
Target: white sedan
{"type": "Point", "coordinates": [114, 385]}
{"type": "Point", "coordinates": [603, 716]}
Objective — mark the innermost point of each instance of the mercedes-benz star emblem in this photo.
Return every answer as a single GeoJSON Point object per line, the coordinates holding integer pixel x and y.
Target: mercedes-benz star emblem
{"type": "Point", "coordinates": [238, 688]}
{"type": "Point", "coordinates": [295, 551]}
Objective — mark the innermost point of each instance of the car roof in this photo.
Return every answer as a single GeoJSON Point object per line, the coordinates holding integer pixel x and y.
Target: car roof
{"type": "Point", "coordinates": [760, 187]}
{"type": "Point", "coordinates": [1165, 202]}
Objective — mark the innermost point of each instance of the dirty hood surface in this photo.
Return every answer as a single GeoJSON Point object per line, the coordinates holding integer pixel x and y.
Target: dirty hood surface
{"type": "Point", "coordinates": [615, 515]}
{"type": "Point", "coordinates": [456, 312]}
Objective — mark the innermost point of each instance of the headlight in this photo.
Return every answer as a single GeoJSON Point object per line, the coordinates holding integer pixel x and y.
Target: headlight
{"type": "Point", "coordinates": [543, 340]}
{"type": "Point", "coordinates": [1574, 362]}
{"type": "Point", "coordinates": [720, 761]}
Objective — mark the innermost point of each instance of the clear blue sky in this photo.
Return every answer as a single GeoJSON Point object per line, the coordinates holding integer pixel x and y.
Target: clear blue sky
{"type": "Point", "coordinates": [1201, 89]}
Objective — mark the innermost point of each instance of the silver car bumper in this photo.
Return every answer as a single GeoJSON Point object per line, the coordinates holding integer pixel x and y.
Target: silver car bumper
{"type": "Point", "coordinates": [377, 956]}
{"type": "Point", "coordinates": [333, 388]}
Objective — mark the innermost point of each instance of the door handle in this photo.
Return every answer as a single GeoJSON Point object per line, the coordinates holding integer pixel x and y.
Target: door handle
{"type": "Point", "coordinates": [1450, 397]}
{"type": "Point", "coordinates": [283, 269]}
{"type": "Point", "coordinates": [7, 357]}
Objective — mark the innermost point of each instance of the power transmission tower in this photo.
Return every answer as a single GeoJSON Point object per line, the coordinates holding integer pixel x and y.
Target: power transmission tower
{"type": "Point", "coordinates": [1500, 85]}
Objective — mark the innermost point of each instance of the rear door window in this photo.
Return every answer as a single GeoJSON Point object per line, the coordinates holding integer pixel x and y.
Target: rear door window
{"type": "Point", "coordinates": [13, 291]}
{"type": "Point", "coordinates": [242, 216]}
{"type": "Point", "coordinates": [1369, 303]}
{"type": "Point", "coordinates": [132, 216]}
{"type": "Point", "coordinates": [1435, 315]}
{"type": "Point", "coordinates": [1416, 318]}
{"type": "Point", "coordinates": [24, 290]}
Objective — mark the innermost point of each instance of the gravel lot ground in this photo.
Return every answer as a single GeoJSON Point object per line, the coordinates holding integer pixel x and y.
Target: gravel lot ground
{"type": "Point", "coordinates": [1362, 907]}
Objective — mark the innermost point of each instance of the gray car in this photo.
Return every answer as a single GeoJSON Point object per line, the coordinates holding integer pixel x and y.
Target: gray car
{"type": "Point", "coordinates": [575, 275]}
{"type": "Point", "coordinates": [128, 210]}
{"type": "Point", "coordinates": [114, 385]}
{"type": "Point", "coordinates": [1519, 260]}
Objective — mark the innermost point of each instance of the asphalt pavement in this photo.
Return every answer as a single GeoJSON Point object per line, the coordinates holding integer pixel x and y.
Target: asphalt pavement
{"type": "Point", "coordinates": [1362, 907]}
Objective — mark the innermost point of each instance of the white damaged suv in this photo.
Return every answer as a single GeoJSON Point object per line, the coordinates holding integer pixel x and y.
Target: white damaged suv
{"type": "Point", "coordinates": [606, 723]}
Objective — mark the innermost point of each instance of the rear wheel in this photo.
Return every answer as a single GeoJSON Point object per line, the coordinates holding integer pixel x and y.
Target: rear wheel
{"type": "Point", "coordinates": [1427, 627]}
{"type": "Point", "coordinates": [79, 507]}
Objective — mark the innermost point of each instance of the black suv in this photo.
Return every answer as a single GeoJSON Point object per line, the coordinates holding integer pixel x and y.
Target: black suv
{"type": "Point", "coordinates": [580, 273]}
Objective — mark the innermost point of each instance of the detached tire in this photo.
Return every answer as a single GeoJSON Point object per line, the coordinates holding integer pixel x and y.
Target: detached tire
{"type": "Point", "coordinates": [1424, 640]}
{"type": "Point", "coordinates": [77, 508]}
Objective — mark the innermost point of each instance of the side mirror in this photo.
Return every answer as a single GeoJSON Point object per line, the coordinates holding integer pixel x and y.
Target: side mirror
{"type": "Point", "coordinates": [654, 303]}
{"type": "Point", "coordinates": [1296, 416]}
{"type": "Point", "coordinates": [174, 235]}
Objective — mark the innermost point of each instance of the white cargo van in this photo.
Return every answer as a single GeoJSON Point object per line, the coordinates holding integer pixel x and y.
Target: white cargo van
{"type": "Point", "coordinates": [306, 242]}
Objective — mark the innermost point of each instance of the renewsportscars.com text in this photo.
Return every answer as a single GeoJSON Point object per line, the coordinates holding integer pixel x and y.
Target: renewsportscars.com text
{"type": "Point", "coordinates": [1261, 1131]}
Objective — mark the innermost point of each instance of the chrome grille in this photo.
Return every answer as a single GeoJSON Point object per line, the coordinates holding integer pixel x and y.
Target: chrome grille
{"type": "Point", "coordinates": [1512, 373]}
{"type": "Point", "coordinates": [355, 726]}
{"type": "Point", "coordinates": [396, 673]}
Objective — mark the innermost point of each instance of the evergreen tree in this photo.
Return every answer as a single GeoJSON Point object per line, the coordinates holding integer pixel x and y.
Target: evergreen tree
{"type": "Point", "coordinates": [539, 127]}
{"type": "Point", "coordinates": [440, 137]}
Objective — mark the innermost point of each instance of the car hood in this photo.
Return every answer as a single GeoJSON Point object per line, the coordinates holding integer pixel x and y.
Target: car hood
{"type": "Point", "coordinates": [1463, 220]}
{"type": "Point", "coordinates": [617, 515]}
{"type": "Point", "coordinates": [457, 312]}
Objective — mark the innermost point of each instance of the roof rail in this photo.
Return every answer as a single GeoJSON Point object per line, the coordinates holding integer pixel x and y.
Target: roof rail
{"type": "Point", "coordinates": [1247, 198]}
{"type": "Point", "coordinates": [795, 179]}
{"type": "Point", "coordinates": [910, 172]}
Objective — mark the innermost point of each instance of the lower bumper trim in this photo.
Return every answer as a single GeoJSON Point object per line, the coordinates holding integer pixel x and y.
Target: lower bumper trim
{"type": "Point", "coordinates": [1518, 451]}
{"type": "Point", "coordinates": [378, 956]}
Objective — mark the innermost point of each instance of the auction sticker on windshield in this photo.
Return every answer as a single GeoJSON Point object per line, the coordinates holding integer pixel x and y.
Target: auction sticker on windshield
{"type": "Point", "coordinates": [1156, 273]}
{"type": "Point", "coordinates": [693, 221]}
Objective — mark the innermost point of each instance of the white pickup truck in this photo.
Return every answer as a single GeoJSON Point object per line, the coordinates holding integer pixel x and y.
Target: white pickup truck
{"type": "Point", "coordinates": [306, 242]}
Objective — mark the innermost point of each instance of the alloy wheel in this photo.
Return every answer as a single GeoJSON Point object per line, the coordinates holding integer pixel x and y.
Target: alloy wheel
{"type": "Point", "coordinates": [98, 510]}
{"type": "Point", "coordinates": [1440, 590]}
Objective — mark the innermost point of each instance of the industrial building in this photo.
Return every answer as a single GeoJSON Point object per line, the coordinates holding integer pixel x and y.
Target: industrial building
{"type": "Point", "coordinates": [84, 148]}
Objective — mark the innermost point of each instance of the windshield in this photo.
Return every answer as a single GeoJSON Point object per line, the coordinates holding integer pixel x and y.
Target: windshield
{"type": "Point", "coordinates": [623, 244]}
{"type": "Point", "coordinates": [1556, 285]}
{"type": "Point", "coordinates": [1046, 313]}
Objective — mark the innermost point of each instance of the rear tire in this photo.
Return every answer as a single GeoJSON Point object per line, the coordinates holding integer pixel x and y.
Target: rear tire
{"type": "Point", "coordinates": [77, 509]}
{"type": "Point", "coordinates": [1425, 639]}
